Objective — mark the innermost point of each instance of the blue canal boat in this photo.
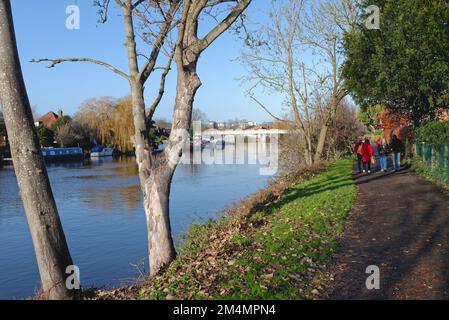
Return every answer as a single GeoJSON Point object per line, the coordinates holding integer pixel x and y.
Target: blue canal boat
{"type": "Point", "coordinates": [51, 155]}
{"type": "Point", "coordinates": [62, 154]}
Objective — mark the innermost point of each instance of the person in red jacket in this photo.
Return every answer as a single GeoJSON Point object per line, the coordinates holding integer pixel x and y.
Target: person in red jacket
{"type": "Point", "coordinates": [358, 152]}
{"type": "Point", "coordinates": [367, 154]}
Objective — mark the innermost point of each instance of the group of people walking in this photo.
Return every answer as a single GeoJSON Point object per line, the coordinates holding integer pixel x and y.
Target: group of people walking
{"type": "Point", "coordinates": [368, 150]}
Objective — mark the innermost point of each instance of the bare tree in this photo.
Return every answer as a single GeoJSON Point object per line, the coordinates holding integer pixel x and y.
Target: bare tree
{"type": "Point", "coordinates": [275, 61]}
{"type": "Point", "coordinates": [156, 170]}
{"type": "Point", "coordinates": [49, 242]}
{"type": "Point", "coordinates": [65, 135]}
{"type": "Point", "coordinates": [188, 50]}
{"type": "Point", "coordinates": [326, 24]}
{"type": "Point", "coordinates": [198, 115]}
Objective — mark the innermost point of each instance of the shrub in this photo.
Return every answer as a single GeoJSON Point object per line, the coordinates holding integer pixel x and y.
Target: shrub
{"type": "Point", "coordinates": [433, 132]}
{"type": "Point", "coordinates": [46, 136]}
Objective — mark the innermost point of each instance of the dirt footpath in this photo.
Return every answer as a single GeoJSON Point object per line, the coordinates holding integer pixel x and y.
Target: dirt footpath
{"type": "Point", "coordinates": [400, 223]}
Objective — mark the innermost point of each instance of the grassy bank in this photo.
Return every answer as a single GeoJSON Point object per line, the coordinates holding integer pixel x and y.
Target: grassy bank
{"type": "Point", "coordinates": [275, 245]}
{"type": "Point", "coordinates": [435, 174]}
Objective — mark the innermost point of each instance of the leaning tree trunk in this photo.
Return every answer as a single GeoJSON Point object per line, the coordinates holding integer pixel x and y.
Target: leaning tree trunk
{"type": "Point", "coordinates": [323, 132]}
{"type": "Point", "coordinates": [321, 141]}
{"type": "Point", "coordinates": [50, 245]}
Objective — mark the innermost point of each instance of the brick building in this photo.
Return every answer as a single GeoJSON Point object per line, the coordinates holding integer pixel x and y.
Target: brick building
{"type": "Point", "coordinates": [49, 119]}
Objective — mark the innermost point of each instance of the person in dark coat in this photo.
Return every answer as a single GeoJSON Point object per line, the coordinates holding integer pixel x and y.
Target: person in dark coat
{"type": "Point", "coordinates": [397, 147]}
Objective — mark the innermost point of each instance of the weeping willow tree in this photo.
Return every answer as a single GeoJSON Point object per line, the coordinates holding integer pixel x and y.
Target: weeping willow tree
{"type": "Point", "coordinates": [123, 125]}
{"type": "Point", "coordinates": [95, 115]}
{"type": "Point", "coordinates": [109, 122]}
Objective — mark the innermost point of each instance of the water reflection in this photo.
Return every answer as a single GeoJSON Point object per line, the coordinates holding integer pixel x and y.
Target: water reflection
{"type": "Point", "coordinates": [106, 198]}
{"type": "Point", "coordinates": [67, 165]}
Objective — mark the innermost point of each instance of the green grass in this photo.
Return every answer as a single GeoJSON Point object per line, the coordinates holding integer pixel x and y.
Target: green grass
{"type": "Point", "coordinates": [279, 252]}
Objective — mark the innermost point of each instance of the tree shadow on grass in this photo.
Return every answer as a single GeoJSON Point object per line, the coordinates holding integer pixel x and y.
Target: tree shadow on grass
{"type": "Point", "coordinates": [333, 182]}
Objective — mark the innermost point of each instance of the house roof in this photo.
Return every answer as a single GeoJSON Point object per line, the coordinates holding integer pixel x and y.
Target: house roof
{"type": "Point", "coordinates": [48, 119]}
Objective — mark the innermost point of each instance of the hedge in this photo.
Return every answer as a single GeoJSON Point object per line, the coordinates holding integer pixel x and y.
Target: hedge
{"type": "Point", "coordinates": [434, 132]}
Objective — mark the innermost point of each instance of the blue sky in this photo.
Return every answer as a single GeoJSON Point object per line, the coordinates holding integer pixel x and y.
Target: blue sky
{"type": "Point", "coordinates": [41, 33]}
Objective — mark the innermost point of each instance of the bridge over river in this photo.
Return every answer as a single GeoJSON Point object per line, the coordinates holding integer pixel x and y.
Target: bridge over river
{"type": "Point", "coordinates": [229, 134]}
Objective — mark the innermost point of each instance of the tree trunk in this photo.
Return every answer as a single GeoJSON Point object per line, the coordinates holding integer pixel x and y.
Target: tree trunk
{"type": "Point", "coordinates": [155, 178]}
{"type": "Point", "coordinates": [323, 132]}
{"type": "Point", "coordinates": [156, 201]}
{"type": "Point", "coordinates": [321, 142]}
{"type": "Point", "coordinates": [308, 151]}
{"type": "Point", "coordinates": [49, 242]}
{"type": "Point", "coordinates": [154, 172]}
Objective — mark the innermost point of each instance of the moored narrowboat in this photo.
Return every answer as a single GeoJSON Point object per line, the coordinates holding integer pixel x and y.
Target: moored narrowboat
{"type": "Point", "coordinates": [62, 154]}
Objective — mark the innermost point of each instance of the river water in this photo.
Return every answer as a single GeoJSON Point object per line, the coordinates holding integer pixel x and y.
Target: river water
{"type": "Point", "coordinates": [100, 205]}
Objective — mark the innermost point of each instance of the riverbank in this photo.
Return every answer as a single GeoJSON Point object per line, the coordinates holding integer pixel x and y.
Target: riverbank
{"type": "Point", "coordinates": [275, 244]}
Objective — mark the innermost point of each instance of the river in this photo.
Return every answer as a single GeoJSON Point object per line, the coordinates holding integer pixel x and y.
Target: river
{"type": "Point", "coordinates": [100, 205]}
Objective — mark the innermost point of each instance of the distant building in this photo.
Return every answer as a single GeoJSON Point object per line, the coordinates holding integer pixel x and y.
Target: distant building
{"type": "Point", "coordinates": [48, 119]}
{"type": "Point", "coordinates": [232, 124]}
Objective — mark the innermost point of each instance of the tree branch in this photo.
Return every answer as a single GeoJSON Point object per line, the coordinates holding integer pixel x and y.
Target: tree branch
{"type": "Point", "coordinates": [268, 111]}
{"type": "Point", "coordinates": [161, 92]}
{"type": "Point", "coordinates": [54, 62]}
{"type": "Point", "coordinates": [225, 24]}
{"type": "Point", "coordinates": [167, 26]}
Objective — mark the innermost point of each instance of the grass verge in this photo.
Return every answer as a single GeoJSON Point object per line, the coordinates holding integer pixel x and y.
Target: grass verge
{"type": "Point", "coordinates": [277, 249]}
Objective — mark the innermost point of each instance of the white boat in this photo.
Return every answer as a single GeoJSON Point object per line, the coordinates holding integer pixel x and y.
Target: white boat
{"type": "Point", "coordinates": [99, 151]}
